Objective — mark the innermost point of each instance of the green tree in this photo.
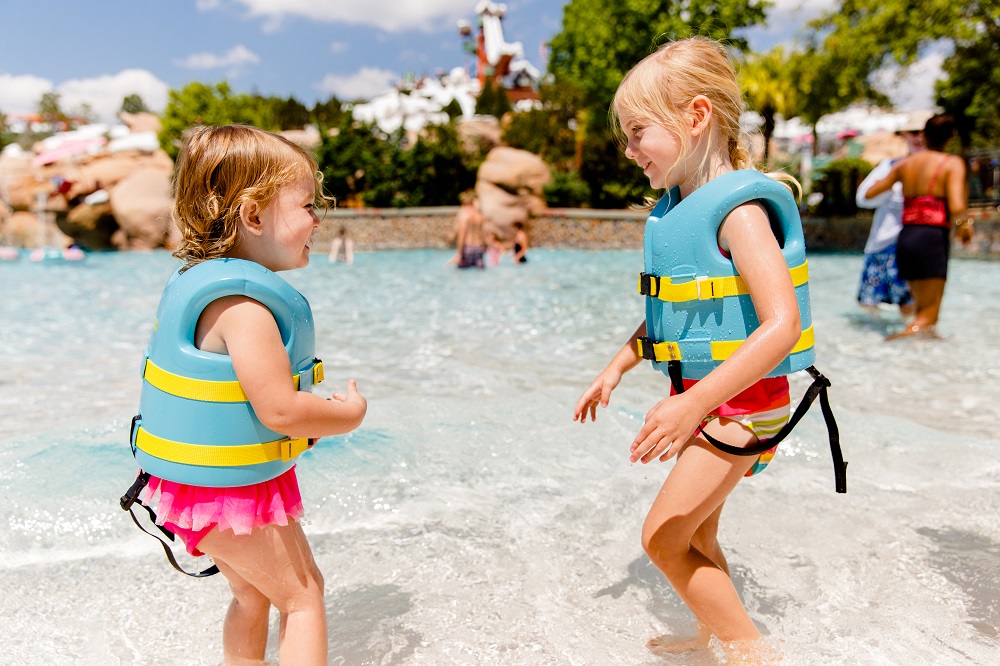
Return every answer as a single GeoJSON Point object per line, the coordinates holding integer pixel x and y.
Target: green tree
{"type": "Point", "coordinates": [83, 114]}
{"type": "Point", "coordinates": [549, 131]}
{"type": "Point", "coordinates": [492, 100]}
{"type": "Point", "coordinates": [768, 89]}
{"type": "Point", "coordinates": [362, 165]}
{"type": "Point", "coordinates": [434, 171]}
{"type": "Point", "coordinates": [354, 159]}
{"type": "Point", "coordinates": [969, 93]}
{"type": "Point", "coordinates": [290, 113]}
{"type": "Point", "coordinates": [600, 41]}
{"type": "Point", "coordinates": [453, 109]}
{"type": "Point", "coordinates": [327, 114]}
{"type": "Point", "coordinates": [133, 104]}
{"type": "Point", "coordinates": [860, 37]}
{"type": "Point", "coordinates": [201, 104]}
{"type": "Point", "coordinates": [50, 110]}
{"type": "Point", "coordinates": [6, 136]}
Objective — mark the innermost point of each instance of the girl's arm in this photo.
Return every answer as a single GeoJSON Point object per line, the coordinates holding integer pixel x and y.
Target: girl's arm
{"type": "Point", "coordinates": [885, 184]}
{"type": "Point", "coordinates": [599, 391]}
{"type": "Point", "coordinates": [245, 330]}
{"type": "Point", "coordinates": [746, 234]}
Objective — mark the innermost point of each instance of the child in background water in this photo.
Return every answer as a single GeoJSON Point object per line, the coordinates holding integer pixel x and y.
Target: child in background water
{"type": "Point", "coordinates": [244, 202]}
{"type": "Point", "coordinates": [677, 113]}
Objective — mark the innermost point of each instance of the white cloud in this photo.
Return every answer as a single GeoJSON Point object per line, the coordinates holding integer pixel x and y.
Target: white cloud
{"type": "Point", "coordinates": [20, 94]}
{"type": "Point", "coordinates": [236, 56]}
{"type": "Point", "coordinates": [105, 93]}
{"type": "Point", "coordinates": [786, 18]}
{"type": "Point", "coordinates": [912, 87]}
{"type": "Point", "coordinates": [366, 83]}
{"type": "Point", "coordinates": [389, 15]}
{"type": "Point", "coordinates": [339, 47]}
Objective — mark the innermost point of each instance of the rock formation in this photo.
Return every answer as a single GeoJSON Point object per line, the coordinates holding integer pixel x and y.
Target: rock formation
{"type": "Point", "coordinates": [112, 195]}
{"type": "Point", "coordinates": [510, 185]}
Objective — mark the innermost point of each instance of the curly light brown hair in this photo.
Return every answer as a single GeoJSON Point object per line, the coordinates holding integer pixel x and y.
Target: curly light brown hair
{"type": "Point", "coordinates": [221, 168]}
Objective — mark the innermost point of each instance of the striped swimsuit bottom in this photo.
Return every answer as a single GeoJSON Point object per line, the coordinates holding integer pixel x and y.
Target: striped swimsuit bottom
{"type": "Point", "coordinates": [764, 424]}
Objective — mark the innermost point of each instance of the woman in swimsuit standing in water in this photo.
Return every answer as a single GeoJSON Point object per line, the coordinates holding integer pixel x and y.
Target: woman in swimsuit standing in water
{"type": "Point", "coordinates": [934, 197]}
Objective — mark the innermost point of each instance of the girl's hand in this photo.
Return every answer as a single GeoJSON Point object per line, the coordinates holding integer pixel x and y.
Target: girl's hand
{"type": "Point", "coordinates": [599, 392]}
{"type": "Point", "coordinates": [669, 425]}
{"type": "Point", "coordinates": [352, 396]}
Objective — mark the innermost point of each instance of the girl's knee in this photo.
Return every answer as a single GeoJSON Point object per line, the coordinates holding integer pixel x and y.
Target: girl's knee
{"type": "Point", "coordinates": [250, 598]}
{"type": "Point", "coordinates": [661, 541]}
{"type": "Point", "coordinates": [308, 594]}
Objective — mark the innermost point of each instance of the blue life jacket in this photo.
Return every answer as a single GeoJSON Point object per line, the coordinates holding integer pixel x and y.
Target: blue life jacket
{"type": "Point", "coordinates": [195, 423]}
{"type": "Point", "coordinates": [698, 309]}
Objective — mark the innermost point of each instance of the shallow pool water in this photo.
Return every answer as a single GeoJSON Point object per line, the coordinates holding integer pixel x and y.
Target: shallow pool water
{"type": "Point", "coordinates": [469, 520]}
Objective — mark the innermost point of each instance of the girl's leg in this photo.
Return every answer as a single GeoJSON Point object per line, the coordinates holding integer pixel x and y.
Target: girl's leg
{"type": "Point", "coordinates": [692, 496]}
{"type": "Point", "coordinates": [706, 541]}
{"type": "Point", "coordinates": [244, 632]}
{"type": "Point", "coordinates": [277, 561]}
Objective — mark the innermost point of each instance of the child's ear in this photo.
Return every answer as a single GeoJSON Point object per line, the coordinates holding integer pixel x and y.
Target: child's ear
{"type": "Point", "coordinates": [700, 114]}
{"type": "Point", "coordinates": [250, 217]}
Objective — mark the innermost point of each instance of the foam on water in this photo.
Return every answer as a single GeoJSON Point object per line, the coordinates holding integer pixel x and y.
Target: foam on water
{"type": "Point", "coordinates": [470, 521]}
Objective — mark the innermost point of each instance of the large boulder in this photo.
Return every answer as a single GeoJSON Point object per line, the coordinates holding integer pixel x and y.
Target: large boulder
{"type": "Point", "coordinates": [22, 190]}
{"type": "Point", "coordinates": [16, 178]}
{"type": "Point", "coordinates": [107, 170]}
{"type": "Point", "coordinates": [141, 205]}
{"type": "Point", "coordinates": [91, 225]}
{"type": "Point", "coordinates": [24, 229]}
{"type": "Point", "coordinates": [510, 185]}
{"type": "Point", "coordinates": [141, 122]}
{"type": "Point", "coordinates": [479, 133]}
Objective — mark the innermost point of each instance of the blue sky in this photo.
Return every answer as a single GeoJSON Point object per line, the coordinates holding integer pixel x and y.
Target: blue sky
{"type": "Point", "coordinates": [101, 51]}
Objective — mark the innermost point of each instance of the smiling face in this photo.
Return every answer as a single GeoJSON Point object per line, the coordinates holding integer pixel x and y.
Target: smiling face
{"type": "Point", "coordinates": [287, 225]}
{"type": "Point", "coordinates": [656, 150]}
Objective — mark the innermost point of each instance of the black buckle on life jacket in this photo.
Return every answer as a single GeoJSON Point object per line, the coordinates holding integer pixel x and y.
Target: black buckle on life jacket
{"type": "Point", "coordinates": [646, 348]}
{"type": "Point", "coordinates": [130, 499]}
{"type": "Point", "coordinates": [649, 284]}
{"type": "Point", "coordinates": [131, 495]}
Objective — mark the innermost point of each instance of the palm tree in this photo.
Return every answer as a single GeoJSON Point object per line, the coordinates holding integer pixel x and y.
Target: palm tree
{"type": "Point", "coordinates": [767, 80]}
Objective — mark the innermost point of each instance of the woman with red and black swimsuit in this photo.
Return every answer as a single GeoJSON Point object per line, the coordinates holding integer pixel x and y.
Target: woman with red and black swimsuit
{"type": "Point", "coordinates": [934, 196]}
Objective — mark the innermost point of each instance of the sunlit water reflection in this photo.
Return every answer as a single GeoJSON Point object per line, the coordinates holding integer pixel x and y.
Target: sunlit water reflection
{"type": "Point", "coordinates": [470, 521]}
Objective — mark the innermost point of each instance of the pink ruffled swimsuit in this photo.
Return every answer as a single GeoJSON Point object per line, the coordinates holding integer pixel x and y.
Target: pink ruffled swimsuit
{"type": "Point", "coordinates": [191, 512]}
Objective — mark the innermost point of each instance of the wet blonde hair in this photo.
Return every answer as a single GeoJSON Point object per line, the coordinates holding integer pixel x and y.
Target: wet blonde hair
{"type": "Point", "coordinates": [662, 86]}
{"type": "Point", "coordinates": [221, 168]}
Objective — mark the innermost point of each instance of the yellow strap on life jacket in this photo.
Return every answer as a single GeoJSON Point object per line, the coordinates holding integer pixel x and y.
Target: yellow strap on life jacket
{"type": "Point", "coordinates": [706, 288]}
{"type": "Point", "coordinates": [207, 390]}
{"type": "Point", "coordinates": [721, 349]}
{"type": "Point", "coordinates": [220, 456]}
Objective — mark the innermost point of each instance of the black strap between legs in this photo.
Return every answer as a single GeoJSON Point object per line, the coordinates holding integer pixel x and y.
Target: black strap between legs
{"type": "Point", "coordinates": [130, 499]}
{"type": "Point", "coordinates": [819, 388]}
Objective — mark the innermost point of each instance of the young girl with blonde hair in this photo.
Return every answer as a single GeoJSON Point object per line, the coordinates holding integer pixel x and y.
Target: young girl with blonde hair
{"type": "Point", "coordinates": [226, 405]}
{"type": "Point", "coordinates": [727, 319]}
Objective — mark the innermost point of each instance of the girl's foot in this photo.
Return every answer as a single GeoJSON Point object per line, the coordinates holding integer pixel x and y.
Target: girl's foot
{"type": "Point", "coordinates": [669, 644]}
{"type": "Point", "coordinates": [752, 653]}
